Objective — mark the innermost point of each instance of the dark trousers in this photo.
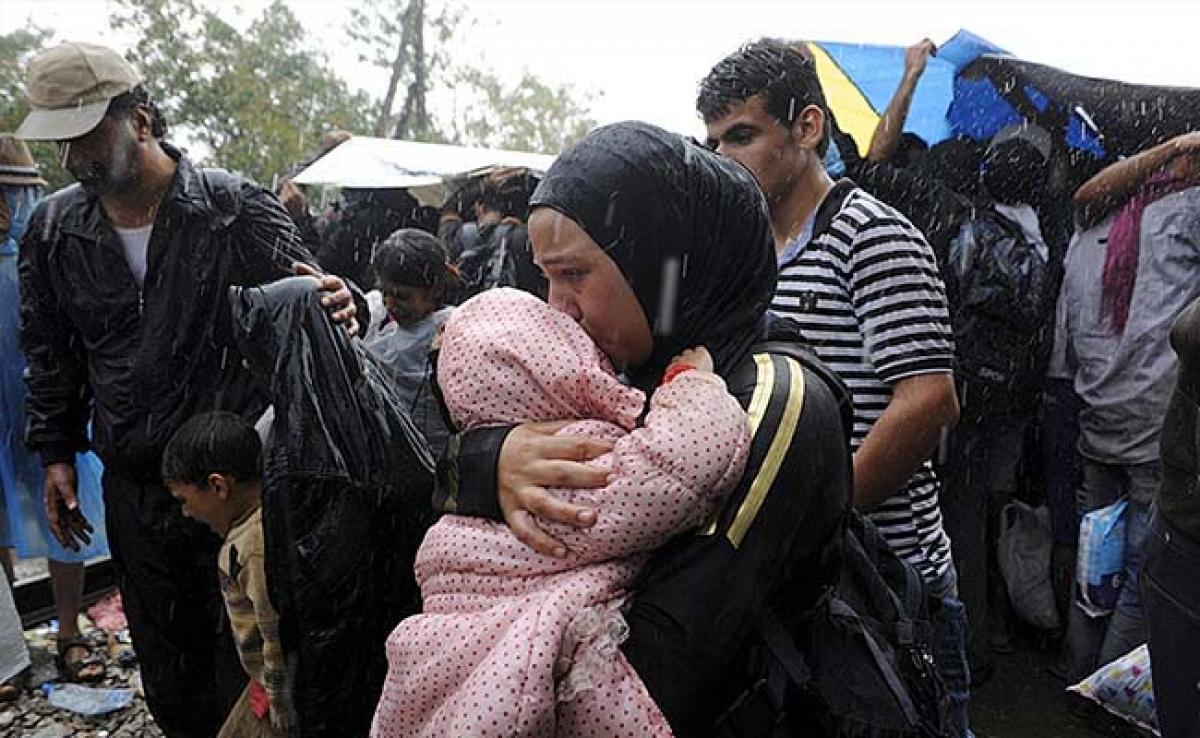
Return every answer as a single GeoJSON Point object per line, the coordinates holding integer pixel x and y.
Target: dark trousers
{"type": "Point", "coordinates": [1171, 609]}
{"type": "Point", "coordinates": [981, 477]}
{"type": "Point", "coordinates": [167, 572]}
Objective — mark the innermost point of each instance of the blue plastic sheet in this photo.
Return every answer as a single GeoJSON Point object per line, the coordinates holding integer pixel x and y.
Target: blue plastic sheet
{"type": "Point", "coordinates": [24, 523]}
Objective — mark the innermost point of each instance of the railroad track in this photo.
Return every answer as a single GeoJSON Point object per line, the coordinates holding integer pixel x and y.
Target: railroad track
{"type": "Point", "coordinates": [35, 597]}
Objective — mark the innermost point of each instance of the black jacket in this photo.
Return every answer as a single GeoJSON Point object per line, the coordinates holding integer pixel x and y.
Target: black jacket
{"type": "Point", "coordinates": [140, 361]}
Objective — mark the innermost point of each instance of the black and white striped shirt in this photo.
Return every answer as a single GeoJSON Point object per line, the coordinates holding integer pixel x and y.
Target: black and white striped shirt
{"type": "Point", "coordinates": [870, 302]}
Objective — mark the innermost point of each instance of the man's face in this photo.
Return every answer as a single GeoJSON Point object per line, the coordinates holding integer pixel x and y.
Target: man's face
{"type": "Point", "coordinates": [103, 160]}
{"type": "Point", "coordinates": [201, 503]}
{"type": "Point", "coordinates": [758, 141]}
{"type": "Point", "coordinates": [586, 284]}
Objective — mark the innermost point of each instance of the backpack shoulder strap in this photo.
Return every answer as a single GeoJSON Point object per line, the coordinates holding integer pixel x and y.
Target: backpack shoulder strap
{"type": "Point", "coordinates": [814, 365]}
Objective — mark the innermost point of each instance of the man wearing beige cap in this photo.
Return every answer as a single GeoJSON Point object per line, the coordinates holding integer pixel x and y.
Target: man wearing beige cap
{"type": "Point", "coordinates": [124, 284]}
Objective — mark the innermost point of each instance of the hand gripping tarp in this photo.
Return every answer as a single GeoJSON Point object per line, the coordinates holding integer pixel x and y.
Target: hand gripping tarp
{"type": "Point", "coordinates": [346, 501]}
{"type": "Point", "coordinates": [974, 88]}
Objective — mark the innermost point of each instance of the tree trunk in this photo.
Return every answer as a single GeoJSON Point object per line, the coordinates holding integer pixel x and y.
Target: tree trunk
{"type": "Point", "coordinates": [412, 20]}
{"type": "Point", "coordinates": [385, 108]}
{"type": "Point", "coordinates": [414, 120]}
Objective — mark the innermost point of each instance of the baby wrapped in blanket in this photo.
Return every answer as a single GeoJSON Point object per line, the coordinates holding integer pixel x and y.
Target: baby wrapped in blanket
{"type": "Point", "coordinates": [514, 643]}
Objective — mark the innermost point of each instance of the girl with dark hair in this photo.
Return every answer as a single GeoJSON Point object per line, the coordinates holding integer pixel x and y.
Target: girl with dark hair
{"type": "Point", "coordinates": [416, 286]}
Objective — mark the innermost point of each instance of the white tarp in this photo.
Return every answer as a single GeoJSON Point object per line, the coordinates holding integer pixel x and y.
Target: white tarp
{"type": "Point", "coordinates": [422, 168]}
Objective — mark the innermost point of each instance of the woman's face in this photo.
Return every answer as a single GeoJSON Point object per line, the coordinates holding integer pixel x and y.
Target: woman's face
{"type": "Point", "coordinates": [406, 304]}
{"type": "Point", "coordinates": [588, 286]}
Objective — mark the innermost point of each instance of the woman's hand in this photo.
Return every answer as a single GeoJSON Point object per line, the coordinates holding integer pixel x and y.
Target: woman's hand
{"type": "Point", "coordinates": [697, 357]}
{"type": "Point", "coordinates": [533, 459]}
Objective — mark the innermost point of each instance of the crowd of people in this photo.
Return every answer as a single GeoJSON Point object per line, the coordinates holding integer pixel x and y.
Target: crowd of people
{"type": "Point", "coordinates": [619, 449]}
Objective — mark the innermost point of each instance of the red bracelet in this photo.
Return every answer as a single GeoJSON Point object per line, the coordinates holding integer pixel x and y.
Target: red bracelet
{"type": "Point", "coordinates": [674, 371]}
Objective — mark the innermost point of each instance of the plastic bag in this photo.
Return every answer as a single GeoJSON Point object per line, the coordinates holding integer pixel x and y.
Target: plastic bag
{"type": "Point", "coordinates": [21, 480]}
{"type": "Point", "coordinates": [1100, 566]}
{"type": "Point", "coordinates": [1125, 688]}
{"type": "Point", "coordinates": [87, 700]}
{"type": "Point", "coordinates": [1025, 547]}
{"type": "Point", "coordinates": [347, 489]}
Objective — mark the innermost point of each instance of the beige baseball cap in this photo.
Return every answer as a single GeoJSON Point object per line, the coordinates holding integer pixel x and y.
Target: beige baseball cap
{"type": "Point", "coordinates": [69, 89]}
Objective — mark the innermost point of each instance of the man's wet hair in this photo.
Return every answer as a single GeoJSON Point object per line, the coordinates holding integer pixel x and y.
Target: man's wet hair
{"type": "Point", "coordinates": [213, 443]}
{"type": "Point", "coordinates": [783, 72]}
{"type": "Point", "coordinates": [139, 97]}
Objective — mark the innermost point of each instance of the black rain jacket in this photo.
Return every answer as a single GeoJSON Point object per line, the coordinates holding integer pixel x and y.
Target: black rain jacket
{"type": "Point", "coordinates": [139, 361]}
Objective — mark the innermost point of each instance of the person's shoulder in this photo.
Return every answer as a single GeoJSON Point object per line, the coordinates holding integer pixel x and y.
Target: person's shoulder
{"type": "Point", "coordinates": [862, 215]}
{"type": "Point", "coordinates": [247, 538]}
{"type": "Point", "coordinates": [869, 214]}
{"type": "Point", "coordinates": [785, 378]}
{"type": "Point", "coordinates": [60, 203]}
{"type": "Point", "coordinates": [53, 211]}
{"type": "Point", "coordinates": [1185, 202]}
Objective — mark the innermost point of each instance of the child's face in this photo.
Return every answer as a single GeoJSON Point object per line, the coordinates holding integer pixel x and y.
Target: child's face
{"type": "Point", "coordinates": [203, 503]}
{"type": "Point", "coordinates": [405, 304]}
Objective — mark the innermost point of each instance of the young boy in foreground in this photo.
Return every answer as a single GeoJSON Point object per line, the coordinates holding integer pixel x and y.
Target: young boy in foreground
{"type": "Point", "coordinates": [212, 465]}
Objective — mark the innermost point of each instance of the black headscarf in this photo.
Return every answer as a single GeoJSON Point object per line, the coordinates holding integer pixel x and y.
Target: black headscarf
{"type": "Point", "coordinates": [689, 230]}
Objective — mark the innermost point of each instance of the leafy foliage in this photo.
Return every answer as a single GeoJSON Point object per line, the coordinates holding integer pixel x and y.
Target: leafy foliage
{"type": "Point", "coordinates": [15, 50]}
{"type": "Point", "coordinates": [531, 115]}
{"type": "Point", "coordinates": [258, 100]}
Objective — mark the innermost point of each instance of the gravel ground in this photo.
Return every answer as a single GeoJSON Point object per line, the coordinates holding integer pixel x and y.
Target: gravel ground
{"type": "Point", "coordinates": [1021, 700]}
{"type": "Point", "coordinates": [32, 716]}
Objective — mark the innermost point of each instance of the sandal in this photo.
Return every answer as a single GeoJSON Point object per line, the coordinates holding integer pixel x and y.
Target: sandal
{"type": "Point", "coordinates": [80, 670]}
{"type": "Point", "coordinates": [12, 690]}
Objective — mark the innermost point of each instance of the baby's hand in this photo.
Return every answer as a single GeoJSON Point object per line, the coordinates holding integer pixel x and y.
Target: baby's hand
{"type": "Point", "coordinates": [697, 356]}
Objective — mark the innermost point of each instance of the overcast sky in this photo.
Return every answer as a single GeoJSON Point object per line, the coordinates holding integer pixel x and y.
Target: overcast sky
{"type": "Point", "coordinates": [644, 57]}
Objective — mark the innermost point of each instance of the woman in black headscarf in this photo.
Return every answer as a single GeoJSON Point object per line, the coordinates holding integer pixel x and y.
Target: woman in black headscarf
{"type": "Point", "coordinates": [655, 244]}
{"type": "Point", "coordinates": [689, 230]}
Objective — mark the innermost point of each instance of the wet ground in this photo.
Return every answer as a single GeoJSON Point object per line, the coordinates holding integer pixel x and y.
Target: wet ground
{"type": "Point", "coordinates": [32, 716]}
{"type": "Point", "coordinates": [1024, 700]}
{"type": "Point", "coordinates": [1021, 700]}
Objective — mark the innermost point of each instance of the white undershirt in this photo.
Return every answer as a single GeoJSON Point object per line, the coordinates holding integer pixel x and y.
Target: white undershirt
{"type": "Point", "coordinates": [135, 241]}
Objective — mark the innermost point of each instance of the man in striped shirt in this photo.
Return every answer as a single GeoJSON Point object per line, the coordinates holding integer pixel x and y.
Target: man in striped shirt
{"type": "Point", "coordinates": [864, 286]}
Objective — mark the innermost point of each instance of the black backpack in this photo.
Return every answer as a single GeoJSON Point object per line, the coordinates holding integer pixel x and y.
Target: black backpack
{"type": "Point", "coordinates": [1001, 293]}
{"type": "Point", "coordinates": [859, 663]}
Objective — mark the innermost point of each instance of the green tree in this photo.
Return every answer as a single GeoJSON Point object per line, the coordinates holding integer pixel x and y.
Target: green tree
{"type": "Point", "coordinates": [259, 100]}
{"type": "Point", "coordinates": [410, 40]}
{"type": "Point", "coordinates": [531, 115]}
{"type": "Point", "coordinates": [392, 35]}
{"type": "Point", "coordinates": [15, 50]}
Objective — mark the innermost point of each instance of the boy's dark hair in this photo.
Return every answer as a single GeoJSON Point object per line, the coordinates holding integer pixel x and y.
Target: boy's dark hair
{"type": "Point", "coordinates": [784, 73]}
{"type": "Point", "coordinates": [213, 443]}
{"type": "Point", "coordinates": [139, 97]}
{"type": "Point", "coordinates": [414, 258]}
